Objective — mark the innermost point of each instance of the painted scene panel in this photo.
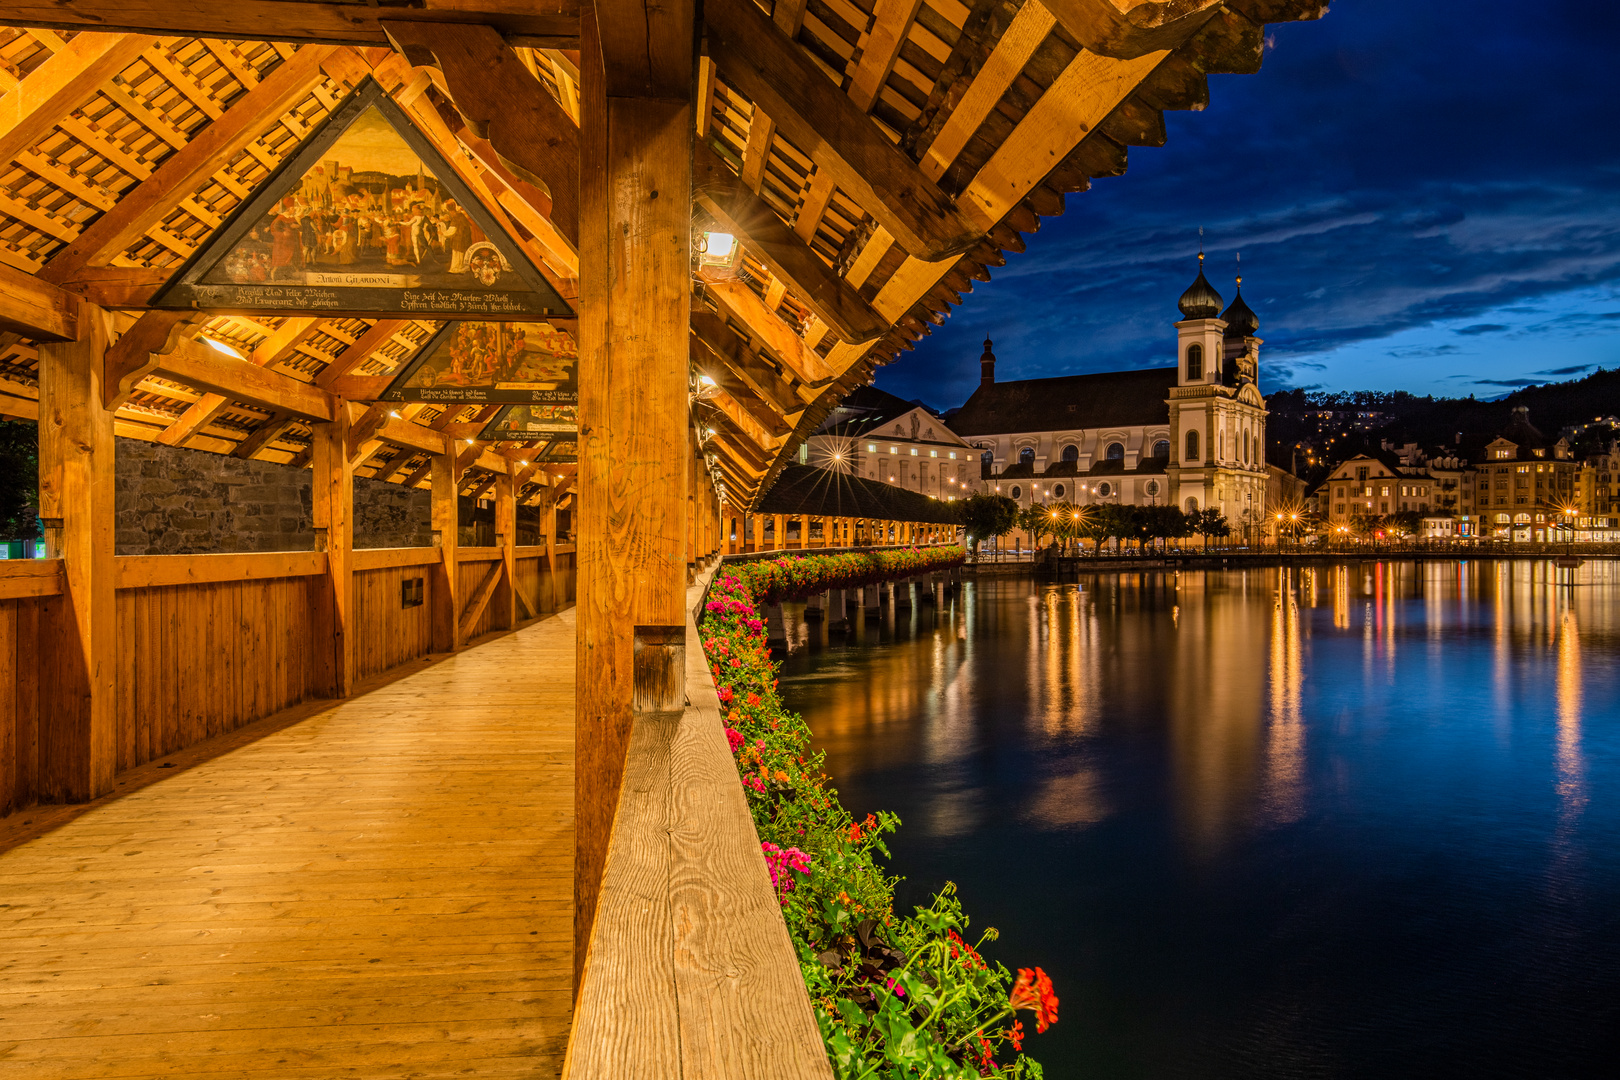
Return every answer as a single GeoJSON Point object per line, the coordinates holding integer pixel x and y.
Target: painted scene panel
{"type": "Point", "coordinates": [473, 362]}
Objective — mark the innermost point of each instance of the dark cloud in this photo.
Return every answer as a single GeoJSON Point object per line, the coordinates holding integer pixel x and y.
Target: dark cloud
{"type": "Point", "coordinates": [1510, 382]}
{"type": "Point", "coordinates": [1573, 369]}
{"type": "Point", "coordinates": [1391, 167]}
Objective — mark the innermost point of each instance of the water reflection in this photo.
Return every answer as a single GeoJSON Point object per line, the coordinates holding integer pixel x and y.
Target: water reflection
{"type": "Point", "coordinates": [1280, 822]}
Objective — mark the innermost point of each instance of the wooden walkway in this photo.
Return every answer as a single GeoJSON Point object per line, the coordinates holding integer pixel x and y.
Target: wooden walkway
{"type": "Point", "coordinates": [381, 890]}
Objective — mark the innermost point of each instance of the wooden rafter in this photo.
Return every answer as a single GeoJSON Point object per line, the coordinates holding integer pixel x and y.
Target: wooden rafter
{"type": "Point", "coordinates": [839, 136]}
{"type": "Point", "coordinates": [738, 210]}
{"type": "Point", "coordinates": [147, 204]}
{"type": "Point", "coordinates": [60, 85]}
{"type": "Point", "coordinates": [536, 23]}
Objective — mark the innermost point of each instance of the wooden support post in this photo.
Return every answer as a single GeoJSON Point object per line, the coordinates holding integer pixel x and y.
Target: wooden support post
{"type": "Point", "coordinates": [446, 591]}
{"type": "Point", "coordinates": [77, 736]}
{"type": "Point", "coordinates": [504, 602]}
{"type": "Point", "coordinates": [556, 594]}
{"type": "Point", "coordinates": [635, 138]}
{"type": "Point", "coordinates": [333, 514]}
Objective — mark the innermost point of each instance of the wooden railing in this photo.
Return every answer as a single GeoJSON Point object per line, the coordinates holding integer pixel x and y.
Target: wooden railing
{"type": "Point", "coordinates": [690, 971]}
{"type": "Point", "coordinates": [209, 643]}
{"type": "Point", "coordinates": [26, 589]}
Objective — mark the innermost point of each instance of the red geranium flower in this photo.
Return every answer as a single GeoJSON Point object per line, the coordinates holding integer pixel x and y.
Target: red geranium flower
{"type": "Point", "coordinates": [1033, 991]}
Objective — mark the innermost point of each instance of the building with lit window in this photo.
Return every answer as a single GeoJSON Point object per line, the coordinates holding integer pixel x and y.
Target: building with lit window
{"type": "Point", "coordinates": [1192, 435]}
{"type": "Point", "coordinates": [1526, 482]}
{"type": "Point", "coordinates": [878, 436]}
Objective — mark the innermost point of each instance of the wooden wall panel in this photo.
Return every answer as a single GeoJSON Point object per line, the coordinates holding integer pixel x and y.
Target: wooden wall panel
{"type": "Point", "coordinates": [387, 633]}
{"type": "Point", "coordinates": [197, 661]}
{"type": "Point", "coordinates": [20, 622]}
{"type": "Point", "coordinates": [531, 586]}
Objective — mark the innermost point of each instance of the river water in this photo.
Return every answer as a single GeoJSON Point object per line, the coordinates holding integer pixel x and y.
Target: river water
{"type": "Point", "coordinates": [1351, 821]}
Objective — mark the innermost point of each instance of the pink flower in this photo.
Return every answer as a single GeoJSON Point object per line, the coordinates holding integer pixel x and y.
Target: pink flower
{"type": "Point", "coordinates": [735, 739]}
{"type": "Point", "coordinates": [780, 862]}
{"type": "Point", "coordinates": [726, 695]}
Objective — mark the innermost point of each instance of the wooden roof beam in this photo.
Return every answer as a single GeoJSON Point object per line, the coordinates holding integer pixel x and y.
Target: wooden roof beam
{"type": "Point", "coordinates": [713, 333]}
{"type": "Point", "coordinates": [535, 23]}
{"type": "Point", "coordinates": [503, 102]}
{"type": "Point", "coordinates": [358, 353]}
{"type": "Point", "coordinates": [741, 303]}
{"type": "Point", "coordinates": [215, 145]}
{"type": "Point", "coordinates": [745, 397]}
{"type": "Point", "coordinates": [200, 367]}
{"type": "Point", "coordinates": [36, 309]}
{"type": "Point", "coordinates": [1126, 29]}
{"type": "Point", "coordinates": [60, 85]}
{"type": "Point", "coordinates": [780, 77]}
{"type": "Point", "coordinates": [738, 210]}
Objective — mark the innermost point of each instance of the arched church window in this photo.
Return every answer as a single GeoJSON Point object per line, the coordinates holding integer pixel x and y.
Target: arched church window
{"type": "Point", "coordinates": [1115, 452]}
{"type": "Point", "coordinates": [1245, 448]}
{"type": "Point", "coordinates": [1071, 453]}
{"type": "Point", "coordinates": [1017, 492]}
{"type": "Point", "coordinates": [1195, 362]}
{"type": "Point", "coordinates": [1192, 446]}
{"type": "Point", "coordinates": [1105, 489]}
{"type": "Point", "coordinates": [1161, 449]}
{"type": "Point", "coordinates": [1192, 506]}
{"type": "Point", "coordinates": [1057, 490]}
{"type": "Point", "coordinates": [1026, 456]}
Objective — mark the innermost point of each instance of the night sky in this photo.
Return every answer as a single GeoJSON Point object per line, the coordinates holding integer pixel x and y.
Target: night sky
{"type": "Point", "coordinates": [1426, 197]}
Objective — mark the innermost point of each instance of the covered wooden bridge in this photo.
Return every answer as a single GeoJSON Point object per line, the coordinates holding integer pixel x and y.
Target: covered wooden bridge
{"type": "Point", "coordinates": [481, 323]}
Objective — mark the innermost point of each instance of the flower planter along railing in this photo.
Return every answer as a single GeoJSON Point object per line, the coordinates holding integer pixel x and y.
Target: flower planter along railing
{"type": "Point", "coordinates": [895, 995]}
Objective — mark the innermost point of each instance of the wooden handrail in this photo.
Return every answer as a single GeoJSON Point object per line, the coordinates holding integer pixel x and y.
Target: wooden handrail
{"type": "Point", "coordinates": [150, 571]}
{"type": "Point", "coordinates": [479, 554]}
{"type": "Point", "coordinates": [23, 578]}
{"type": "Point", "coordinates": [387, 558]}
{"type": "Point", "coordinates": [690, 971]}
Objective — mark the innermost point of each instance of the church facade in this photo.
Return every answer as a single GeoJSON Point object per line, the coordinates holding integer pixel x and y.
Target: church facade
{"type": "Point", "coordinates": [1192, 435]}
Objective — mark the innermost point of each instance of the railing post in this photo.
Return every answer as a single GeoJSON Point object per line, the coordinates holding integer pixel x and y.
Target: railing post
{"type": "Point", "coordinates": [78, 711]}
{"type": "Point", "coordinates": [504, 603]}
{"type": "Point", "coordinates": [635, 251]}
{"type": "Point", "coordinates": [445, 594]}
{"type": "Point", "coordinates": [333, 514]}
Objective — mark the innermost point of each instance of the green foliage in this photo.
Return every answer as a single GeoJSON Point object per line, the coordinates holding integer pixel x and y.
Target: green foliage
{"type": "Point", "coordinates": [19, 480]}
{"type": "Point", "coordinates": [1210, 523]}
{"type": "Point", "coordinates": [984, 516]}
{"type": "Point", "coordinates": [1036, 521]}
{"type": "Point", "coordinates": [898, 997]}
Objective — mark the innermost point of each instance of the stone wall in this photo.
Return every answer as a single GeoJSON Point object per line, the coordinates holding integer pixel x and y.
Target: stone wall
{"type": "Point", "coordinates": [184, 502]}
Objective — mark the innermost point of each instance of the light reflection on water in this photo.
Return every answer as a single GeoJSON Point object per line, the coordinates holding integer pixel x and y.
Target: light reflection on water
{"type": "Point", "coordinates": [1352, 820]}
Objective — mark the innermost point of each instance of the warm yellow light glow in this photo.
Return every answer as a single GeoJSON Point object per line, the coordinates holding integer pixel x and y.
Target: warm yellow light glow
{"type": "Point", "coordinates": [220, 346]}
{"type": "Point", "coordinates": [394, 413]}
{"type": "Point", "coordinates": [704, 380]}
{"type": "Point", "coordinates": [720, 245]}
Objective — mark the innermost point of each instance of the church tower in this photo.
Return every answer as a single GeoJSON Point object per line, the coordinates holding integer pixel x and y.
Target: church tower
{"type": "Point", "coordinates": [1199, 333]}
{"type": "Point", "coordinates": [1217, 416]}
{"type": "Point", "coordinates": [987, 366]}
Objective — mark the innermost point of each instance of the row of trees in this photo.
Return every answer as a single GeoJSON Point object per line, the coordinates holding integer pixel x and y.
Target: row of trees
{"type": "Point", "coordinates": [986, 516]}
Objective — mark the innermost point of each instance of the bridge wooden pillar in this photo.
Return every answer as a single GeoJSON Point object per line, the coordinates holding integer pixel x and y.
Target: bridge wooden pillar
{"type": "Point", "coordinates": [332, 511]}
{"type": "Point", "coordinates": [78, 688]}
{"type": "Point", "coordinates": [635, 138]}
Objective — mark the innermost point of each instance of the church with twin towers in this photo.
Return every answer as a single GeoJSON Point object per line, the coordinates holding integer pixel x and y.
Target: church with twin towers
{"type": "Point", "coordinates": [1192, 435]}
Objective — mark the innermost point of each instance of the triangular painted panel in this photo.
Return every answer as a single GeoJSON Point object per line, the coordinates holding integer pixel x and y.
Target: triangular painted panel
{"type": "Point", "coordinates": [530, 423]}
{"type": "Point", "coordinates": [475, 362]}
{"type": "Point", "coordinates": [365, 219]}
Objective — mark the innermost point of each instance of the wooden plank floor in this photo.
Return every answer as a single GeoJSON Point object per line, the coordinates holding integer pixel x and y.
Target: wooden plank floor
{"type": "Point", "coordinates": [382, 890]}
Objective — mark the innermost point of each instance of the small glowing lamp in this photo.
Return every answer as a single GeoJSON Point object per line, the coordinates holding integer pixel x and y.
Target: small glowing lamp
{"type": "Point", "coordinates": [220, 346]}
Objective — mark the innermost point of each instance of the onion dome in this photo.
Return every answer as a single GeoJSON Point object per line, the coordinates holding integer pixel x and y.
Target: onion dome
{"type": "Point", "coordinates": [1240, 320]}
{"type": "Point", "coordinates": [1200, 301]}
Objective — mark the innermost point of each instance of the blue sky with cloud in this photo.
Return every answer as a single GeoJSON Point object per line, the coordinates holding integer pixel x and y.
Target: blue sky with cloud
{"type": "Point", "coordinates": [1426, 197]}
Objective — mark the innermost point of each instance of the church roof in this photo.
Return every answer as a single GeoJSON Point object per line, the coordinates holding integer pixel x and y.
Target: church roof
{"type": "Point", "coordinates": [1111, 399]}
{"type": "Point", "coordinates": [1241, 321]}
{"type": "Point", "coordinates": [805, 489]}
{"type": "Point", "coordinates": [1200, 301]}
{"type": "Point", "coordinates": [865, 408]}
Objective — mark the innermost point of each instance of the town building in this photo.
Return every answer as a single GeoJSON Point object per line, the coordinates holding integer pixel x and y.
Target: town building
{"type": "Point", "coordinates": [878, 436]}
{"type": "Point", "coordinates": [1526, 482]}
{"type": "Point", "coordinates": [1192, 435]}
